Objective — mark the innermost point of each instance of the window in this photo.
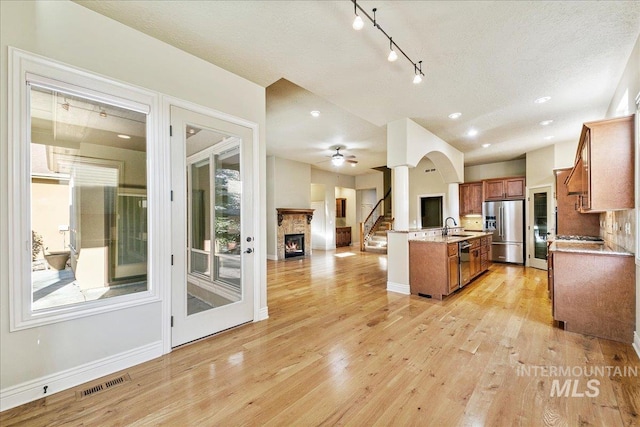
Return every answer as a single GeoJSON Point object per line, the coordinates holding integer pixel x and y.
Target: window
{"type": "Point", "coordinates": [80, 168]}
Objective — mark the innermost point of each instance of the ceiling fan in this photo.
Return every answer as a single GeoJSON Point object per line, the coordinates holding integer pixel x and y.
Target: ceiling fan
{"type": "Point", "coordinates": [338, 159]}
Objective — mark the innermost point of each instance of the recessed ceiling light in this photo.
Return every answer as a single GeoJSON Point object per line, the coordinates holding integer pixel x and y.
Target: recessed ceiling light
{"type": "Point", "coordinates": [191, 131]}
{"type": "Point", "coordinates": [454, 116]}
{"type": "Point", "coordinates": [548, 137]}
{"type": "Point", "coordinates": [486, 145]}
{"type": "Point", "coordinates": [472, 132]}
{"type": "Point", "coordinates": [542, 100]}
{"type": "Point", "coordinates": [546, 122]}
{"type": "Point", "coordinates": [123, 136]}
{"type": "Point", "coordinates": [315, 113]}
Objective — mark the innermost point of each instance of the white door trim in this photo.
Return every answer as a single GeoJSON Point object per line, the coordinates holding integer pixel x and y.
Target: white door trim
{"type": "Point", "coordinates": [260, 312]}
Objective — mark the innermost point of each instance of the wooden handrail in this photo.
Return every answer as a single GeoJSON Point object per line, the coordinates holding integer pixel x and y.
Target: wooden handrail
{"type": "Point", "coordinates": [387, 194]}
{"type": "Point", "coordinates": [365, 231]}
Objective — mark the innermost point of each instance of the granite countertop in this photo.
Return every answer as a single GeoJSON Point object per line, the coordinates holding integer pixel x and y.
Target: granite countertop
{"type": "Point", "coordinates": [599, 248]}
{"type": "Point", "coordinates": [452, 238]}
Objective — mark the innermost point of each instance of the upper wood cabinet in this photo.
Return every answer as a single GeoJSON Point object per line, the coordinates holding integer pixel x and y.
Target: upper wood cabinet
{"type": "Point", "coordinates": [504, 189]}
{"type": "Point", "coordinates": [471, 198]}
{"type": "Point", "coordinates": [569, 220]}
{"type": "Point", "coordinates": [603, 172]}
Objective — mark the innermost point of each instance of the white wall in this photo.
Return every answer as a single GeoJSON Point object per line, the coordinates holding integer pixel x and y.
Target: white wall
{"type": "Point", "coordinates": [371, 180]}
{"type": "Point", "coordinates": [423, 183]}
{"type": "Point", "coordinates": [331, 180]}
{"type": "Point", "coordinates": [289, 187]}
{"type": "Point", "coordinates": [495, 170]}
{"type": "Point", "coordinates": [70, 33]}
{"type": "Point", "coordinates": [540, 164]}
{"type": "Point", "coordinates": [565, 153]}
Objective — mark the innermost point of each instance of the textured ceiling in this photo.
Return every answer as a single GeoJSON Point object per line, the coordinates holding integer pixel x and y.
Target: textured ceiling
{"type": "Point", "coordinates": [487, 60]}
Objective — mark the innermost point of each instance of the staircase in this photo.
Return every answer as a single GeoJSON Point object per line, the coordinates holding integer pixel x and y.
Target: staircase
{"type": "Point", "coordinates": [373, 231]}
{"type": "Point", "coordinates": [377, 241]}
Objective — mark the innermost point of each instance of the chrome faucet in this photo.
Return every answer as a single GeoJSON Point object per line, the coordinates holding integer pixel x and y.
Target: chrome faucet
{"type": "Point", "coordinates": [445, 230]}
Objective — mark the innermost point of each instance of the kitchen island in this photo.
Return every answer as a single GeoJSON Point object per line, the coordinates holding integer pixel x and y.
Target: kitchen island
{"type": "Point", "coordinates": [440, 265]}
{"type": "Point", "coordinates": [592, 288]}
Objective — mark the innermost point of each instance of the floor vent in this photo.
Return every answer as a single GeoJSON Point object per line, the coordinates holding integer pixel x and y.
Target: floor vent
{"type": "Point", "coordinates": [102, 387]}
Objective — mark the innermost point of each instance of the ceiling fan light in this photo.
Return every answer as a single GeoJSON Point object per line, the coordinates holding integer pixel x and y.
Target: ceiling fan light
{"type": "Point", "coordinates": [358, 23]}
{"type": "Point", "coordinates": [337, 159]}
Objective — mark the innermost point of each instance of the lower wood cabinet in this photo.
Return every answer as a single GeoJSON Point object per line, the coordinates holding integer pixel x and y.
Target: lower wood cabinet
{"type": "Point", "coordinates": [343, 236]}
{"type": "Point", "coordinates": [434, 267]}
{"type": "Point", "coordinates": [594, 294]}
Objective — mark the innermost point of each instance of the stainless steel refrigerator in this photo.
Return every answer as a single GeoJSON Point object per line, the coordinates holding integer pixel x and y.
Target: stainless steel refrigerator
{"type": "Point", "coordinates": [506, 220]}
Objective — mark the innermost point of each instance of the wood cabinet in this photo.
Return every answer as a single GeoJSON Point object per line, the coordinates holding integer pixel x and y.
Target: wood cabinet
{"type": "Point", "coordinates": [550, 279]}
{"type": "Point", "coordinates": [434, 267]}
{"type": "Point", "coordinates": [343, 236]}
{"type": "Point", "coordinates": [485, 252]}
{"type": "Point", "coordinates": [569, 220]}
{"type": "Point", "coordinates": [470, 195]}
{"type": "Point", "coordinates": [475, 267]}
{"type": "Point", "coordinates": [594, 294]}
{"type": "Point", "coordinates": [454, 264]}
{"type": "Point", "coordinates": [504, 189]}
{"type": "Point", "coordinates": [433, 272]}
{"type": "Point", "coordinates": [341, 207]}
{"type": "Point", "coordinates": [602, 176]}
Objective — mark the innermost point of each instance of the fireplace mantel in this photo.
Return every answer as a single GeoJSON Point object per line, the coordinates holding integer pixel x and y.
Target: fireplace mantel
{"type": "Point", "coordinates": [294, 211]}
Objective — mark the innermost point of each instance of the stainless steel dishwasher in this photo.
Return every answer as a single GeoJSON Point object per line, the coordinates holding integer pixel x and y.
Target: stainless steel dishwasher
{"type": "Point", "coordinates": [465, 264]}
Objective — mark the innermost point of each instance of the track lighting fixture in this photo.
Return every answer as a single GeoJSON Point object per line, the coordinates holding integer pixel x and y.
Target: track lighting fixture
{"type": "Point", "coordinates": [358, 24]}
{"type": "Point", "coordinates": [392, 53]}
{"type": "Point", "coordinates": [418, 70]}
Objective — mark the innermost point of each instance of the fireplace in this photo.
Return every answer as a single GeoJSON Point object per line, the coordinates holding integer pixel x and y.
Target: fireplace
{"type": "Point", "coordinates": [293, 245]}
{"type": "Point", "coordinates": [294, 232]}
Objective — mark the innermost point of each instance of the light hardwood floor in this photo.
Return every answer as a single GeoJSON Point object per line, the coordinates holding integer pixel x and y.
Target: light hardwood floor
{"type": "Point", "coordinates": [339, 349]}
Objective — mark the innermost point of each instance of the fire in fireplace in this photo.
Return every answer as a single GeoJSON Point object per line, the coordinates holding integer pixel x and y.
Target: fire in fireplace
{"type": "Point", "coordinates": [293, 245]}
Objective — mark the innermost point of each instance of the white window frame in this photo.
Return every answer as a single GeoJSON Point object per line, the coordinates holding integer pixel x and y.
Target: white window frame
{"type": "Point", "coordinates": [25, 67]}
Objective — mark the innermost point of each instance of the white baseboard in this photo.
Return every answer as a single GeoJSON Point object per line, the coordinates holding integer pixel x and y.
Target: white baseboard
{"type": "Point", "coordinates": [272, 257]}
{"type": "Point", "coordinates": [398, 288]}
{"type": "Point", "coordinates": [636, 343]}
{"type": "Point", "coordinates": [263, 314]}
{"type": "Point", "coordinates": [32, 390]}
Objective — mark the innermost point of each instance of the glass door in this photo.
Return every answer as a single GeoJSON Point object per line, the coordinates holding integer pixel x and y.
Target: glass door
{"type": "Point", "coordinates": [541, 225]}
{"type": "Point", "coordinates": [212, 288]}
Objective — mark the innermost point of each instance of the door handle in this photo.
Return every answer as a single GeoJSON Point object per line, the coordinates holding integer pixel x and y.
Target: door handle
{"type": "Point", "coordinates": [248, 251]}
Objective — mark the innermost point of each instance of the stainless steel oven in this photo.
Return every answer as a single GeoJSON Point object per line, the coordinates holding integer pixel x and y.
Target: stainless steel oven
{"type": "Point", "coordinates": [464, 268]}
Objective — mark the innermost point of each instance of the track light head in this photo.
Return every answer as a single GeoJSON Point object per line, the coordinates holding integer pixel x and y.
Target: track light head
{"type": "Point", "coordinates": [358, 23]}
{"type": "Point", "coordinates": [392, 53]}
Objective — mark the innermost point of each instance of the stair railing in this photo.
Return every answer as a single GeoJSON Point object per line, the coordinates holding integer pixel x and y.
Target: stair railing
{"type": "Point", "coordinates": [373, 219]}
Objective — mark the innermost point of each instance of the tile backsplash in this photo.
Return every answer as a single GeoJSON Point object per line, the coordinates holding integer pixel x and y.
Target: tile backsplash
{"type": "Point", "coordinates": [471, 223]}
{"type": "Point", "coordinates": [619, 228]}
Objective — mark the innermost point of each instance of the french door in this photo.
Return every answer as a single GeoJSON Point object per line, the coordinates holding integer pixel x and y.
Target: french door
{"type": "Point", "coordinates": [541, 224]}
{"type": "Point", "coordinates": [212, 282]}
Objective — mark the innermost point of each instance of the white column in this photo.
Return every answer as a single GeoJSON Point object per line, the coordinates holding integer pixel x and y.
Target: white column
{"type": "Point", "coordinates": [454, 201]}
{"type": "Point", "coordinates": [401, 198]}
